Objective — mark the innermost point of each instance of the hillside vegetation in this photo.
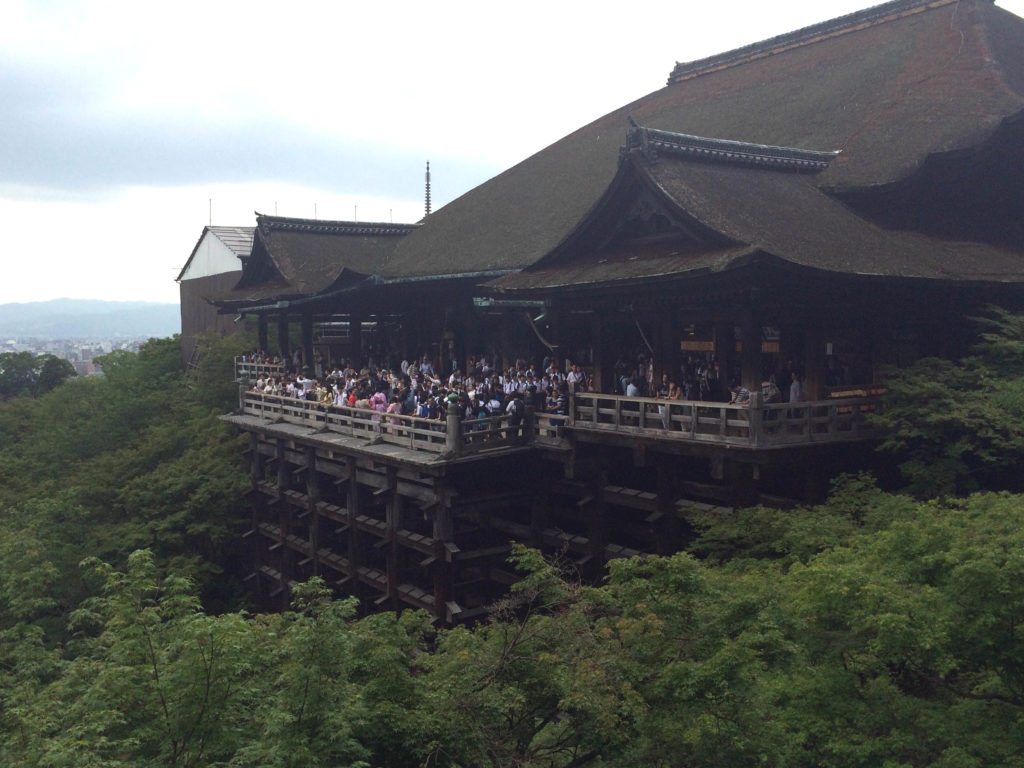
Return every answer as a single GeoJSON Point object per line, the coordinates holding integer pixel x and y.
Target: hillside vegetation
{"type": "Point", "coordinates": [879, 629]}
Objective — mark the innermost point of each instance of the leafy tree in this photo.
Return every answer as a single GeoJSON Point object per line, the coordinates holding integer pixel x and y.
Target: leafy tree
{"type": "Point", "coordinates": [22, 373]}
{"type": "Point", "coordinates": [103, 466]}
{"type": "Point", "coordinates": [958, 426]}
{"type": "Point", "coordinates": [152, 680]}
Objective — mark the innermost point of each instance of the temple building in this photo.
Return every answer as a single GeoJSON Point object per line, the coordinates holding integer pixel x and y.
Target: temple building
{"type": "Point", "coordinates": [213, 267]}
{"type": "Point", "coordinates": [823, 205]}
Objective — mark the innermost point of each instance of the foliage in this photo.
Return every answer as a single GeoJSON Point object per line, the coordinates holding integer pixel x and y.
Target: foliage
{"type": "Point", "coordinates": [878, 629]}
{"type": "Point", "coordinates": [102, 466]}
{"type": "Point", "coordinates": [958, 426]}
{"type": "Point", "coordinates": [890, 639]}
{"type": "Point", "coordinates": [22, 373]}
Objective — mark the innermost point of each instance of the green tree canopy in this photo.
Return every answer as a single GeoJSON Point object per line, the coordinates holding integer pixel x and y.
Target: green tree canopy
{"type": "Point", "coordinates": [22, 373]}
{"type": "Point", "coordinates": [958, 426]}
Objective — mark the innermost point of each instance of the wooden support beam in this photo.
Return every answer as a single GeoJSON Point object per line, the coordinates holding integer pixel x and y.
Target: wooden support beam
{"type": "Point", "coordinates": [262, 334]}
{"type": "Point", "coordinates": [394, 514]}
{"type": "Point", "coordinates": [283, 344]}
{"type": "Point", "coordinates": [441, 567]}
{"type": "Point", "coordinates": [750, 354]}
{"type": "Point", "coordinates": [307, 342]}
{"type": "Point", "coordinates": [313, 501]}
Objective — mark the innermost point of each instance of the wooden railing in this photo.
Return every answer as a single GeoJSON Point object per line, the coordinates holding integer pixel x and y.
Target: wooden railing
{"type": "Point", "coordinates": [452, 438]}
{"type": "Point", "coordinates": [252, 371]}
{"type": "Point", "coordinates": [755, 425]}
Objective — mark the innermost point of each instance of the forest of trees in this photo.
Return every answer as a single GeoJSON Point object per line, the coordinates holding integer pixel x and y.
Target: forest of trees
{"type": "Point", "coordinates": [882, 628]}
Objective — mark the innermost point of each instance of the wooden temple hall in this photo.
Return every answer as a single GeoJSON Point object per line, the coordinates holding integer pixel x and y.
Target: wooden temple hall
{"type": "Point", "coordinates": [828, 203]}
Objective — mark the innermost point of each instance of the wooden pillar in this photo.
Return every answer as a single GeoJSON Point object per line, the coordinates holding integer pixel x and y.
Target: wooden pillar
{"type": "Point", "coordinates": [283, 522]}
{"type": "Point", "coordinates": [393, 518]}
{"type": "Point", "coordinates": [814, 362]}
{"type": "Point", "coordinates": [352, 502]}
{"type": "Point", "coordinates": [283, 346]}
{"type": "Point", "coordinates": [597, 528]}
{"type": "Point", "coordinates": [505, 358]}
{"type": "Point", "coordinates": [602, 377]}
{"type": "Point", "coordinates": [725, 348]}
{"type": "Point", "coordinates": [256, 464]}
{"type": "Point", "coordinates": [443, 534]}
{"type": "Point", "coordinates": [743, 484]}
{"type": "Point", "coordinates": [668, 350]}
{"type": "Point", "coordinates": [307, 342]}
{"type": "Point", "coordinates": [557, 337]}
{"type": "Point", "coordinates": [355, 339]}
{"type": "Point", "coordinates": [465, 334]}
{"type": "Point", "coordinates": [408, 351]}
{"type": "Point", "coordinates": [313, 498]}
{"type": "Point", "coordinates": [258, 510]}
{"type": "Point", "coordinates": [262, 332]}
{"type": "Point", "coordinates": [750, 356]}
{"type": "Point", "coordinates": [667, 526]}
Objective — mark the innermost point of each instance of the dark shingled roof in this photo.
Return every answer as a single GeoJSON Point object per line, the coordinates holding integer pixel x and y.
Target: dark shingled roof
{"type": "Point", "coordinates": [852, 104]}
{"type": "Point", "coordinates": [887, 89]}
{"type": "Point", "coordinates": [308, 256]}
{"type": "Point", "coordinates": [311, 255]}
{"type": "Point", "coordinates": [760, 211]}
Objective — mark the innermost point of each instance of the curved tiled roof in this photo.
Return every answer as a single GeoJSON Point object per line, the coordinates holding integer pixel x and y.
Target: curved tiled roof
{"type": "Point", "coordinates": [886, 90]}
{"type": "Point", "coordinates": [853, 104]}
{"type": "Point", "coordinates": [762, 211]}
{"type": "Point", "coordinates": [311, 254]}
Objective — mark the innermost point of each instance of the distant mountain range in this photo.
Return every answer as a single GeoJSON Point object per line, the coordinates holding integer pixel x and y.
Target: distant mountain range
{"type": "Point", "coordinates": [86, 319]}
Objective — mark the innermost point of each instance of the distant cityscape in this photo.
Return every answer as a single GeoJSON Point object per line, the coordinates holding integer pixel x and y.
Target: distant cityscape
{"type": "Point", "coordinates": [81, 353]}
{"type": "Point", "coordinates": [80, 331]}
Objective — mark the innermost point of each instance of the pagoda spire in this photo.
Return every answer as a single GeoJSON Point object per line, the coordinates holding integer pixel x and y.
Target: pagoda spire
{"type": "Point", "coordinates": [427, 206]}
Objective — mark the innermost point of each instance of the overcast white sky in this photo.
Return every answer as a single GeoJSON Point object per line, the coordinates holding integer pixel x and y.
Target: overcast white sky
{"type": "Point", "coordinates": [120, 121]}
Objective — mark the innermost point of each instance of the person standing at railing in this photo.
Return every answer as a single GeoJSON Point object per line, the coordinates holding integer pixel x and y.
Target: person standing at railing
{"type": "Point", "coordinates": [575, 378]}
{"type": "Point", "coordinates": [516, 410]}
{"type": "Point", "coordinates": [796, 388]}
{"type": "Point", "coordinates": [672, 392]}
{"type": "Point", "coordinates": [740, 395]}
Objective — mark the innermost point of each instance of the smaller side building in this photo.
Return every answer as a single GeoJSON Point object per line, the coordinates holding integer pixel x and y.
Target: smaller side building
{"type": "Point", "coordinates": [213, 268]}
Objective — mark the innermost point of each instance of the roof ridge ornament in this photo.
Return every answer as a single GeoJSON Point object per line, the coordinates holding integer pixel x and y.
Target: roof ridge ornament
{"type": "Point", "coordinates": [841, 25]}
{"type": "Point", "coordinates": [333, 227]}
{"type": "Point", "coordinates": [652, 142]}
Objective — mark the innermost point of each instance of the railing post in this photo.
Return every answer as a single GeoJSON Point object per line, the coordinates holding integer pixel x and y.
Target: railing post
{"type": "Point", "coordinates": [756, 417]}
{"type": "Point", "coordinates": [453, 434]}
{"type": "Point", "coordinates": [572, 406]}
{"type": "Point", "coordinates": [529, 424]}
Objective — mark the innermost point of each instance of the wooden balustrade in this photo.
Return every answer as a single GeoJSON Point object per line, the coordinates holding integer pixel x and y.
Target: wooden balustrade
{"type": "Point", "coordinates": [754, 426]}
{"type": "Point", "coordinates": [462, 438]}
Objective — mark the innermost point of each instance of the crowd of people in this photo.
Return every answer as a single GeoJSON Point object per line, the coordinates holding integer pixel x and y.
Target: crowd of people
{"type": "Point", "coordinates": [416, 388]}
{"type": "Point", "coordinates": [700, 379]}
